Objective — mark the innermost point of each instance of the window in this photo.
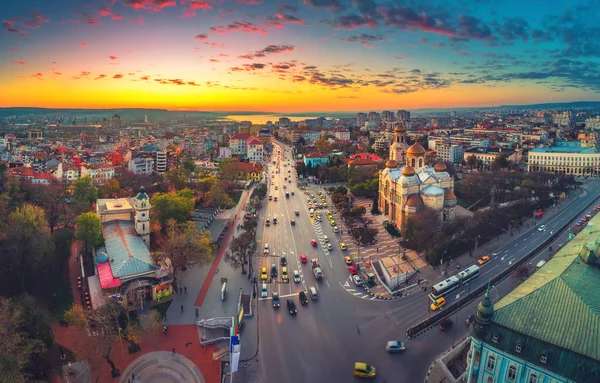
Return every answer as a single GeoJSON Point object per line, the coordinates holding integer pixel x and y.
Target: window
{"type": "Point", "coordinates": [518, 348]}
{"type": "Point", "coordinates": [533, 378]}
{"type": "Point", "coordinates": [495, 339]}
{"type": "Point", "coordinates": [491, 363]}
{"type": "Point", "coordinates": [512, 373]}
{"type": "Point", "coordinates": [543, 359]}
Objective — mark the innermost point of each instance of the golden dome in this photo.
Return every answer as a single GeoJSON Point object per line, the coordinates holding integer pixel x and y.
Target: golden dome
{"type": "Point", "coordinates": [449, 195]}
{"type": "Point", "coordinates": [408, 171]}
{"type": "Point", "coordinates": [440, 167]}
{"type": "Point", "coordinates": [391, 164]}
{"type": "Point", "coordinates": [414, 200]}
{"type": "Point", "coordinates": [400, 129]}
{"type": "Point", "coordinates": [416, 150]}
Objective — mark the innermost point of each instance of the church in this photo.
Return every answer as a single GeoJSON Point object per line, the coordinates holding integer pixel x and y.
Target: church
{"type": "Point", "coordinates": [407, 185]}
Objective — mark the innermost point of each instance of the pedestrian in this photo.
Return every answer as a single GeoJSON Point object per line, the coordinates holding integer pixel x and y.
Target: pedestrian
{"type": "Point", "coordinates": [358, 329]}
{"type": "Point", "coordinates": [165, 317]}
{"type": "Point", "coordinates": [173, 352]}
{"type": "Point", "coordinates": [181, 308]}
{"type": "Point", "coordinates": [185, 289]}
{"type": "Point", "coordinates": [378, 250]}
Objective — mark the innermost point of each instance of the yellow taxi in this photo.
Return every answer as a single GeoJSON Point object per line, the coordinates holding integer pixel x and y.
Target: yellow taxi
{"type": "Point", "coordinates": [364, 370]}
{"type": "Point", "coordinates": [438, 303]}
{"type": "Point", "coordinates": [263, 274]}
{"type": "Point", "coordinates": [348, 260]}
{"type": "Point", "coordinates": [332, 222]}
{"type": "Point", "coordinates": [483, 260]}
{"type": "Point", "coordinates": [342, 246]}
{"type": "Point", "coordinates": [284, 275]}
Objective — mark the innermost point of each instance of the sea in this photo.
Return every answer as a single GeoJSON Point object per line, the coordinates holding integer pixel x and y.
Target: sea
{"type": "Point", "coordinates": [261, 119]}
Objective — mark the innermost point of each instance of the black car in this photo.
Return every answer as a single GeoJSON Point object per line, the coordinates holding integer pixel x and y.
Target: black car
{"type": "Point", "coordinates": [276, 300]}
{"type": "Point", "coordinates": [293, 222]}
{"type": "Point", "coordinates": [297, 213]}
{"type": "Point", "coordinates": [273, 271]}
{"type": "Point", "coordinates": [303, 298]}
{"type": "Point", "coordinates": [445, 324]}
{"type": "Point", "coordinates": [274, 221]}
{"type": "Point", "coordinates": [291, 307]}
{"type": "Point", "coordinates": [283, 261]}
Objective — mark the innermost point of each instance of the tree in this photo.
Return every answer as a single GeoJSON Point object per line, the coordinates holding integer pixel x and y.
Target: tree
{"type": "Point", "coordinates": [189, 164]}
{"type": "Point", "coordinates": [500, 162]}
{"type": "Point", "coordinates": [185, 245]}
{"type": "Point", "coordinates": [239, 251]}
{"type": "Point", "coordinates": [219, 197]}
{"type": "Point", "coordinates": [88, 230]}
{"type": "Point", "coordinates": [17, 347]}
{"type": "Point", "coordinates": [177, 177]}
{"type": "Point", "coordinates": [204, 185]}
{"type": "Point", "coordinates": [358, 211]}
{"type": "Point", "coordinates": [105, 333]}
{"type": "Point", "coordinates": [472, 161]}
{"type": "Point", "coordinates": [167, 206]}
{"type": "Point", "coordinates": [28, 244]}
{"type": "Point", "coordinates": [112, 188]}
{"type": "Point", "coordinates": [84, 190]}
{"type": "Point", "coordinates": [229, 171]}
{"type": "Point", "coordinates": [323, 146]}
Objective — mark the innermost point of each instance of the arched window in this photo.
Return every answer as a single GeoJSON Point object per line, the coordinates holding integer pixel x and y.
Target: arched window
{"type": "Point", "coordinates": [512, 373]}
{"type": "Point", "coordinates": [490, 379]}
{"type": "Point", "coordinates": [143, 227]}
{"type": "Point", "coordinates": [412, 162]}
{"type": "Point", "coordinates": [491, 363]}
{"type": "Point", "coordinates": [533, 378]}
{"type": "Point", "coordinates": [420, 162]}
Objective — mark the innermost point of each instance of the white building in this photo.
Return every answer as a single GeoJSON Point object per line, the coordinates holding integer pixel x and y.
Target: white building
{"type": "Point", "coordinates": [311, 135]}
{"type": "Point", "coordinates": [161, 162]}
{"type": "Point", "coordinates": [342, 135]}
{"type": "Point", "coordinates": [143, 166]}
{"type": "Point", "coordinates": [446, 151]}
{"type": "Point", "coordinates": [224, 152]}
{"type": "Point", "coordinates": [98, 173]}
{"type": "Point", "coordinates": [254, 150]}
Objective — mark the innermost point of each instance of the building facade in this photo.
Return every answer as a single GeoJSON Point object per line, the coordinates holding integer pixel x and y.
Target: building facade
{"type": "Point", "coordinates": [406, 190]}
{"type": "Point", "coordinates": [568, 158]}
{"type": "Point", "coordinates": [547, 329]}
{"type": "Point", "coordinates": [254, 150]}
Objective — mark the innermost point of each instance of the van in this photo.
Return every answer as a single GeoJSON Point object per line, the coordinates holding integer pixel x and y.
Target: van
{"type": "Point", "coordinates": [540, 264]}
{"type": "Point", "coordinates": [313, 293]}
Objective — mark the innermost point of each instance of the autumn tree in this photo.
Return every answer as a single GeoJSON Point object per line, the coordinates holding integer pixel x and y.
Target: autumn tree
{"type": "Point", "coordinates": [178, 177]}
{"type": "Point", "coordinates": [323, 146]}
{"type": "Point", "coordinates": [219, 197]}
{"type": "Point", "coordinates": [204, 185]}
{"type": "Point", "coordinates": [111, 188]}
{"type": "Point", "coordinates": [88, 230]}
{"type": "Point", "coordinates": [239, 251]}
{"type": "Point", "coordinates": [189, 164]}
{"type": "Point", "coordinates": [27, 244]}
{"type": "Point", "coordinates": [185, 245]}
{"type": "Point", "coordinates": [175, 206]}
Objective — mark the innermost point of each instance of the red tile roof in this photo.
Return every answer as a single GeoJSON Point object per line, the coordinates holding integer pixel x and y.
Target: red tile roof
{"type": "Point", "coordinates": [249, 167]}
{"type": "Point", "coordinates": [254, 141]}
{"type": "Point", "coordinates": [240, 136]}
{"type": "Point", "coordinates": [316, 155]}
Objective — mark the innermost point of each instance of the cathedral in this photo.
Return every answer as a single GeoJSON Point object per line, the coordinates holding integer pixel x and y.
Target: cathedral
{"type": "Point", "coordinates": [407, 185]}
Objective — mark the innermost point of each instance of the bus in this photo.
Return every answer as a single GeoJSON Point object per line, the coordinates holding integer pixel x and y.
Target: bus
{"type": "Point", "coordinates": [461, 278]}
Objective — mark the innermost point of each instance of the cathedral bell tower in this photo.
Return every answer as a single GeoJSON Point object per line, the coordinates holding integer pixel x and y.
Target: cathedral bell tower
{"type": "Point", "coordinates": [399, 146]}
{"type": "Point", "coordinates": [142, 216]}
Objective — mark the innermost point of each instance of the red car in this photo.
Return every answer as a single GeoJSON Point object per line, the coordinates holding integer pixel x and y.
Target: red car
{"type": "Point", "coordinates": [352, 270]}
{"type": "Point", "coordinates": [303, 258]}
{"type": "Point", "coordinates": [313, 243]}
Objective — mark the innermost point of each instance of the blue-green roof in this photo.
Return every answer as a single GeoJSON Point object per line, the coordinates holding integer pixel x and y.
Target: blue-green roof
{"type": "Point", "coordinates": [560, 303]}
{"type": "Point", "coordinates": [565, 147]}
{"type": "Point", "coordinates": [126, 250]}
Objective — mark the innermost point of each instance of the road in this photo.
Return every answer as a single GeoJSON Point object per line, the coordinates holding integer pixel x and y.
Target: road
{"type": "Point", "coordinates": [326, 337]}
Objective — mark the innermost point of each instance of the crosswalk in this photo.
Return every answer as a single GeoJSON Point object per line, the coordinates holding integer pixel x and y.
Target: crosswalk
{"type": "Point", "coordinates": [358, 292]}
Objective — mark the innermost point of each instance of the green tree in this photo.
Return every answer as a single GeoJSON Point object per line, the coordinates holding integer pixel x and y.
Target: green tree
{"type": "Point", "coordinates": [88, 230]}
{"type": "Point", "coordinates": [472, 161]}
{"type": "Point", "coordinates": [239, 251]}
{"type": "Point", "coordinates": [323, 146]}
{"type": "Point", "coordinates": [189, 164]}
{"type": "Point", "coordinates": [177, 206]}
{"type": "Point", "coordinates": [185, 245]}
{"type": "Point", "coordinates": [28, 244]}
{"type": "Point", "coordinates": [17, 347]}
{"type": "Point", "coordinates": [85, 190]}
{"type": "Point", "coordinates": [112, 188]}
{"type": "Point", "coordinates": [219, 197]}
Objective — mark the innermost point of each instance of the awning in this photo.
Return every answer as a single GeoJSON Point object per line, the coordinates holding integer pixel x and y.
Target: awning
{"type": "Point", "coordinates": [107, 281]}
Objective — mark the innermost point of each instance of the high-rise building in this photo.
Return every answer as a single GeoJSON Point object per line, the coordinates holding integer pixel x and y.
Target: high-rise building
{"type": "Point", "coordinates": [374, 116]}
{"type": "Point", "coordinates": [361, 118]}
{"type": "Point", "coordinates": [403, 115]}
{"type": "Point", "coordinates": [387, 116]}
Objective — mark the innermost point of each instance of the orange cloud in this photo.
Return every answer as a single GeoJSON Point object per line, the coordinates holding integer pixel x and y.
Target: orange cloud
{"type": "Point", "coordinates": [119, 75]}
{"type": "Point", "coordinates": [101, 76]}
{"type": "Point", "coordinates": [18, 62]}
{"type": "Point", "coordinates": [83, 44]}
{"type": "Point", "coordinates": [37, 75]}
{"type": "Point", "coordinates": [113, 57]}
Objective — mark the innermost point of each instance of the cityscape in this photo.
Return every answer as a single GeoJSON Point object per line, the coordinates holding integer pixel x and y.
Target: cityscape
{"type": "Point", "coordinates": [261, 191]}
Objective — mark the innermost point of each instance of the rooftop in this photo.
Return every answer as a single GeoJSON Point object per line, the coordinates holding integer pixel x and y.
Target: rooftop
{"type": "Point", "coordinates": [560, 304]}
{"type": "Point", "coordinates": [565, 147]}
{"type": "Point", "coordinates": [127, 251]}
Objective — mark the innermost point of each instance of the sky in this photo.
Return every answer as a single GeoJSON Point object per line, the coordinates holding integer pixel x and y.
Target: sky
{"type": "Point", "coordinates": [297, 56]}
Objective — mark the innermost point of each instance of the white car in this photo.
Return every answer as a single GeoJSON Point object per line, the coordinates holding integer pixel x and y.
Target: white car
{"type": "Point", "coordinates": [266, 251]}
{"type": "Point", "coordinates": [329, 247]}
{"type": "Point", "coordinates": [335, 229]}
{"type": "Point", "coordinates": [357, 281]}
{"type": "Point", "coordinates": [542, 228]}
{"type": "Point", "coordinates": [326, 238]}
{"type": "Point", "coordinates": [311, 212]}
{"type": "Point", "coordinates": [263, 291]}
{"type": "Point", "coordinates": [296, 276]}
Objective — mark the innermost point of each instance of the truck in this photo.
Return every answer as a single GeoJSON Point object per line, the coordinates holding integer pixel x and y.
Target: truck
{"type": "Point", "coordinates": [316, 268]}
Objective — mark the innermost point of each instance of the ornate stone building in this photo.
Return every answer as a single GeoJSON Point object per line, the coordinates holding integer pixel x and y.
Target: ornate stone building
{"type": "Point", "coordinates": [407, 185]}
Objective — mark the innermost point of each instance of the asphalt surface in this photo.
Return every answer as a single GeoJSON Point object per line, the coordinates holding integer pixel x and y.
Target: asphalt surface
{"type": "Point", "coordinates": [325, 338]}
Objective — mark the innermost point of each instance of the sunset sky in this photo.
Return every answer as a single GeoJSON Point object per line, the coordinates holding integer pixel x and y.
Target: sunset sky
{"type": "Point", "coordinates": [310, 55]}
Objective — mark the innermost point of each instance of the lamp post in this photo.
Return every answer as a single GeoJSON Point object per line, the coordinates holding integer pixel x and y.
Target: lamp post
{"type": "Point", "coordinates": [442, 263]}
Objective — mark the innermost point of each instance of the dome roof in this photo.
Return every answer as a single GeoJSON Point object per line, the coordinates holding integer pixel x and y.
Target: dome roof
{"type": "Point", "coordinates": [449, 195]}
{"type": "Point", "coordinates": [408, 171]}
{"type": "Point", "coordinates": [391, 164]}
{"type": "Point", "coordinates": [440, 167]}
{"type": "Point", "coordinates": [414, 200]}
{"type": "Point", "coordinates": [142, 194]}
{"type": "Point", "coordinates": [400, 129]}
{"type": "Point", "coordinates": [416, 150]}
{"type": "Point", "coordinates": [101, 257]}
